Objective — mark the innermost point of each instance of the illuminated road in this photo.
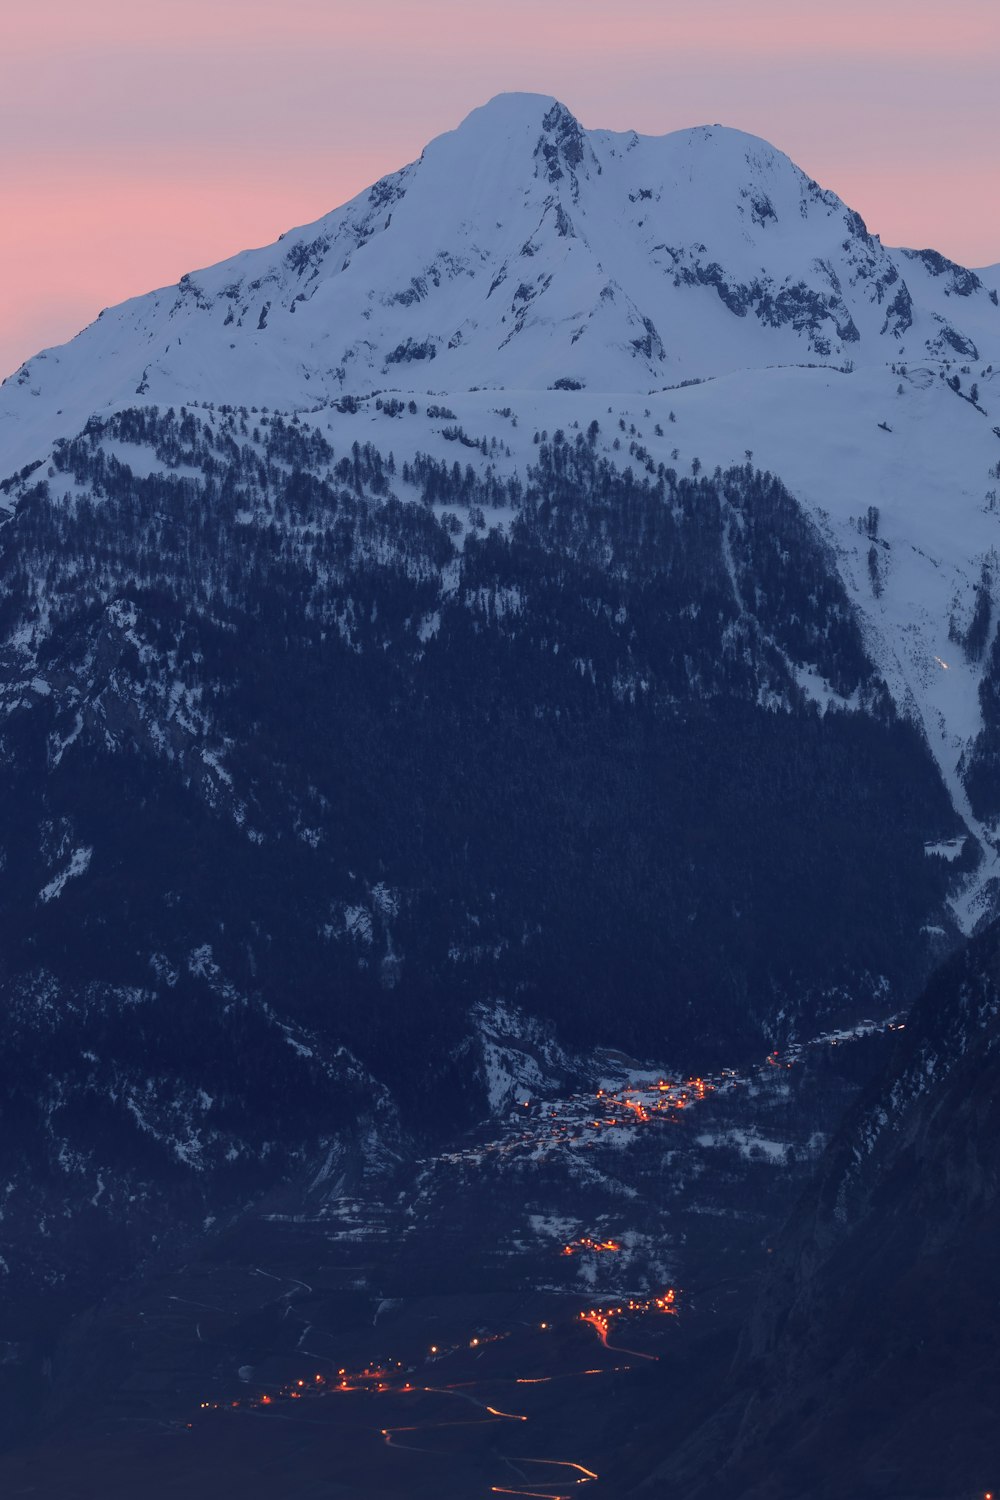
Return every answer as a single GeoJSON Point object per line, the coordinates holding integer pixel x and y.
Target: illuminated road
{"type": "Point", "coordinates": [428, 1431]}
{"type": "Point", "coordinates": [598, 1244]}
{"type": "Point", "coordinates": [584, 1476]}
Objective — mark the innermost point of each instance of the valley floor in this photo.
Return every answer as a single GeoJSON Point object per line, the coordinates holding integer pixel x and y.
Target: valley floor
{"type": "Point", "coordinates": [526, 1312]}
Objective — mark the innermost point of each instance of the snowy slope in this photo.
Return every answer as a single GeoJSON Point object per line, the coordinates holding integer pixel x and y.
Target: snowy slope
{"type": "Point", "coordinates": [521, 251]}
{"type": "Point", "coordinates": [929, 477]}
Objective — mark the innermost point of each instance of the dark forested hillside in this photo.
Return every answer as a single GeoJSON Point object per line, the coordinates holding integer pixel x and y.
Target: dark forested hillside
{"type": "Point", "coordinates": [294, 779]}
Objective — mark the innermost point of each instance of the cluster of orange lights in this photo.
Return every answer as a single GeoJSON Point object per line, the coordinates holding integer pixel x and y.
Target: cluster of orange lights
{"type": "Point", "coordinates": [373, 1378]}
{"type": "Point", "coordinates": [388, 1376]}
{"type": "Point", "coordinates": [642, 1101]}
{"type": "Point", "coordinates": [601, 1318]}
{"type": "Point", "coordinates": [586, 1243]}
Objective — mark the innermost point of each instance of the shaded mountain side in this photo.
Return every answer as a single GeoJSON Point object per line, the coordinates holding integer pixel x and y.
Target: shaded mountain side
{"type": "Point", "coordinates": [294, 781]}
{"type": "Point", "coordinates": [869, 1365]}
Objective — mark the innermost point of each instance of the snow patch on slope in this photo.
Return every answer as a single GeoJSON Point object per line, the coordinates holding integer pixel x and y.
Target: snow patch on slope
{"type": "Point", "coordinates": [79, 864]}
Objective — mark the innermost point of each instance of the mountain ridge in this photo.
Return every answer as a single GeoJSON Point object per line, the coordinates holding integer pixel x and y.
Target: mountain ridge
{"type": "Point", "coordinates": [513, 262]}
{"type": "Point", "coordinates": [519, 251]}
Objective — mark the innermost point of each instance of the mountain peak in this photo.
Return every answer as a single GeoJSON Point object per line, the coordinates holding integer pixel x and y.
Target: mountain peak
{"type": "Point", "coordinates": [513, 110]}
{"type": "Point", "coordinates": [523, 251]}
{"type": "Point", "coordinates": [517, 127]}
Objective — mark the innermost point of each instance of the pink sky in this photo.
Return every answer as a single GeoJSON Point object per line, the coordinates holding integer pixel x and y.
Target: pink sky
{"type": "Point", "coordinates": [145, 138]}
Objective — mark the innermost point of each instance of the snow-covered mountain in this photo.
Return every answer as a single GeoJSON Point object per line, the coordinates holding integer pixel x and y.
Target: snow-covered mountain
{"type": "Point", "coordinates": [519, 251]}
{"type": "Point", "coordinates": [582, 272]}
{"type": "Point", "coordinates": [562, 578]}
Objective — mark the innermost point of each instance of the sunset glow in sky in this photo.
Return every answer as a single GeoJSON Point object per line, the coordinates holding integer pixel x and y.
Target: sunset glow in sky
{"type": "Point", "coordinates": [145, 138]}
